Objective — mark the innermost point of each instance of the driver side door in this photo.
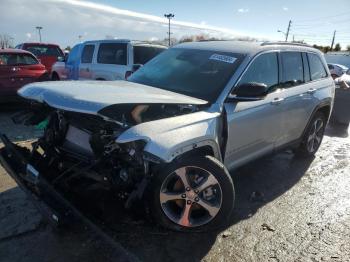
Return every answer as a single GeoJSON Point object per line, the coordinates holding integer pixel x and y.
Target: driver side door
{"type": "Point", "coordinates": [255, 126]}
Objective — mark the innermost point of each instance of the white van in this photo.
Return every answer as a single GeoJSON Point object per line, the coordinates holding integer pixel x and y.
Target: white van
{"type": "Point", "coordinates": [105, 60]}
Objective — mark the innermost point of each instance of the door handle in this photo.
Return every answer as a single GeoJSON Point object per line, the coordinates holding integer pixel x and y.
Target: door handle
{"type": "Point", "coordinates": [311, 91]}
{"type": "Point", "coordinates": [277, 101]}
{"type": "Point", "coordinates": [87, 70]}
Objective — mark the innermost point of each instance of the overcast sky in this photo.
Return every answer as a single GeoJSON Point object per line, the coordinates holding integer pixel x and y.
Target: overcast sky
{"type": "Point", "coordinates": [64, 20]}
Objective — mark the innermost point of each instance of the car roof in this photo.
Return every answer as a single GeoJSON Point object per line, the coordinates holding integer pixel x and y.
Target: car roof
{"type": "Point", "coordinates": [247, 47]}
{"type": "Point", "coordinates": [39, 44]}
{"type": "Point", "coordinates": [133, 42]}
{"type": "Point", "coordinates": [14, 51]}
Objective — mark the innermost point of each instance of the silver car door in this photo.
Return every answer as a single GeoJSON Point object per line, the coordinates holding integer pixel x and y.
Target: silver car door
{"type": "Point", "coordinates": [254, 126]}
{"type": "Point", "coordinates": [299, 96]}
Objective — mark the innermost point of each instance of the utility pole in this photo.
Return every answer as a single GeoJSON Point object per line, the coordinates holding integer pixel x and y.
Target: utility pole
{"type": "Point", "coordinates": [289, 24]}
{"type": "Point", "coordinates": [333, 39]}
{"type": "Point", "coordinates": [169, 16]}
{"type": "Point", "coordinates": [39, 30]}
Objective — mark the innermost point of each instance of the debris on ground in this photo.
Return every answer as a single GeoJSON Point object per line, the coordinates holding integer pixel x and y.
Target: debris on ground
{"type": "Point", "coordinates": [267, 227]}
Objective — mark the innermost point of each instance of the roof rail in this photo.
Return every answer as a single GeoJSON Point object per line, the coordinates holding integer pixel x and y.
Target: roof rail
{"type": "Point", "coordinates": [285, 43]}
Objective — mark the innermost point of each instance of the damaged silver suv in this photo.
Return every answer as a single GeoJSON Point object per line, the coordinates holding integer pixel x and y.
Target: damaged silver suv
{"type": "Point", "coordinates": [167, 137]}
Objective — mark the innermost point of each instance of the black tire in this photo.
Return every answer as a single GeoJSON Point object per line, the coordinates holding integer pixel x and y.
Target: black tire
{"type": "Point", "coordinates": [55, 77]}
{"type": "Point", "coordinates": [205, 164]}
{"type": "Point", "coordinates": [304, 148]}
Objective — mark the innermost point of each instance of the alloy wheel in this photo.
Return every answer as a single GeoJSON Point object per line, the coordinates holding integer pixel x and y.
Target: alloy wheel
{"type": "Point", "coordinates": [190, 196]}
{"type": "Point", "coordinates": [315, 135]}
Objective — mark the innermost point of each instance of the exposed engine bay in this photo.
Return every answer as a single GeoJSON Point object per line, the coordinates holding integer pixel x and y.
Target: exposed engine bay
{"type": "Point", "coordinates": [78, 152]}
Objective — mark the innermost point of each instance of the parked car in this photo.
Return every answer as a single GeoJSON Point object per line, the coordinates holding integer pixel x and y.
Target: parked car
{"type": "Point", "coordinates": [167, 137]}
{"type": "Point", "coordinates": [337, 70]}
{"type": "Point", "coordinates": [105, 60]}
{"type": "Point", "coordinates": [340, 114]}
{"type": "Point", "coordinates": [17, 68]}
{"type": "Point", "coordinates": [48, 54]}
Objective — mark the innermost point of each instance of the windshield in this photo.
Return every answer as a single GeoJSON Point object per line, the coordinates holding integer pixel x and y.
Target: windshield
{"type": "Point", "coordinates": [197, 73]}
{"type": "Point", "coordinates": [42, 50]}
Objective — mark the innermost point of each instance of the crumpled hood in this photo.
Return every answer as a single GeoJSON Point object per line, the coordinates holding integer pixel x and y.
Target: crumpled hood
{"type": "Point", "coordinates": [92, 96]}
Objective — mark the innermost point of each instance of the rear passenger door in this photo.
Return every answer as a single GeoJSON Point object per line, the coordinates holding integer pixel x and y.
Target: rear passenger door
{"type": "Point", "coordinates": [299, 100]}
{"type": "Point", "coordinates": [85, 67]}
{"type": "Point", "coordinates": [111, 62]}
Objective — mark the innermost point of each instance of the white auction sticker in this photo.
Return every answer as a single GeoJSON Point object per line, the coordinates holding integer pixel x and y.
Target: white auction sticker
{"type": "Point", "coordinates": [223, 58]}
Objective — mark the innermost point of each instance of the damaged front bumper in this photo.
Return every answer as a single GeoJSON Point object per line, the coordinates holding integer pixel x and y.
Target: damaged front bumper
{"type": "Point", "coordinates": [51, 203]}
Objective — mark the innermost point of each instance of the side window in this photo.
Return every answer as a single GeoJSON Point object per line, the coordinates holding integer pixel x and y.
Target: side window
{"type": "Point", "coordinates": [88, 52]}
{"type": "Point", "coordinates": [264, 70]}
{"type": "Point", "coordinates": [330, 67]}
{"type": "Point", "coordinates": [317, 69]}
{"type": "Point", "coordinates": [112, 53]}
{"type": "Point", "coordinates": [292, 69]}
{"type": "Point", "coordinates": [142, 54]}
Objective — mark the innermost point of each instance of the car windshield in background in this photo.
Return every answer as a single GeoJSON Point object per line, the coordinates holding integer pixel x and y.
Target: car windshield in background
{"type": "Point", "coordinates": [197, 73]}
{"type": "Point", "coordinates": [17, 59]}
{"type": "Point", "coordinates": [142, 54]}
{"type": "Point", "coordinates": [41, 50]}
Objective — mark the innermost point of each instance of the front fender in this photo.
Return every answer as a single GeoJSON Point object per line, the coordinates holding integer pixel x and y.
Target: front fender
{"type": "Point", "coordinates": [171, 137]}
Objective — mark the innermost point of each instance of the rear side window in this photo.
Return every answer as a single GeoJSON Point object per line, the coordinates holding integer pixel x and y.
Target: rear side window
{"type": "Point", "coordinates": [88, 52]}
{"type": "Point", "coordinates": [142, 54]}
{"type": "Point", "coordinates": [42, 50]}
{"type": "Point", "coordinates": [317, 69]}
{"type": "Point", "coordinates": [17, 59]}
{"type": "Point", "coordinates": [264, 70]}
{"type": "Point", "coordinates": [292, 69]}
{"type": "Point", "coordinates": [112, 53]}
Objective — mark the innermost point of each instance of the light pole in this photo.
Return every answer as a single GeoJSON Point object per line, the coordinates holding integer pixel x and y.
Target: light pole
{"type": "Point", "coordinates": [169, 16]}
{"type": "Point", "coordinates": [39, 30]}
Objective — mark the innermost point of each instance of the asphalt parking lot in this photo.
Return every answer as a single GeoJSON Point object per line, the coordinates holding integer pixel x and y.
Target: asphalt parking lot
{"type": "Point", "coordinates": [287, 209]}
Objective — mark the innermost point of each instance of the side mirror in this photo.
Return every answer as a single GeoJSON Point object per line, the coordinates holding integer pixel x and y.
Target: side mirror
{"type": "Point", "coordinates": [61, 59]}
{"type": "Point", "coordinates": [136, 67]}
{"type": "Point", "coordinates": [249, 92]}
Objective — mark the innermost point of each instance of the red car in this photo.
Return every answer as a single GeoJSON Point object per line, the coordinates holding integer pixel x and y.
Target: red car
{"type": "Point", "coordinates": [47, 53]}
{"type": "Point", "coordinates": [17, 68]}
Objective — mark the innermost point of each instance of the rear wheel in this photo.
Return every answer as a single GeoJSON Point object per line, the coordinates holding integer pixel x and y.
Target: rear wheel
{"type": "Point", "coordinates": [195, 194]}
{"type": "Point", "coordinates": [313, 136]}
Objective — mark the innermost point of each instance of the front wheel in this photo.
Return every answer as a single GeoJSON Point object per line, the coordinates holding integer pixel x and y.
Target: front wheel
{"type": "Point", "coordinates": [194, 194]}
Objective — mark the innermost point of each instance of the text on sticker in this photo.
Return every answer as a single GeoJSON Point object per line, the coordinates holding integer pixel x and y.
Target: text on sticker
{"type": "Point", "coordinates": [223, 58]}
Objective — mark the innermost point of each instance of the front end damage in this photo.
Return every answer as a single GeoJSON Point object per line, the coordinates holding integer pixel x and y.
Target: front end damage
{"type": "Point", "coordinates": [78, 154]}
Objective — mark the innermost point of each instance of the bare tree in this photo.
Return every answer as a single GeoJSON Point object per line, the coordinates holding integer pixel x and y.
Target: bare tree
{"type": "Point", "coordinates": [5, 41]}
